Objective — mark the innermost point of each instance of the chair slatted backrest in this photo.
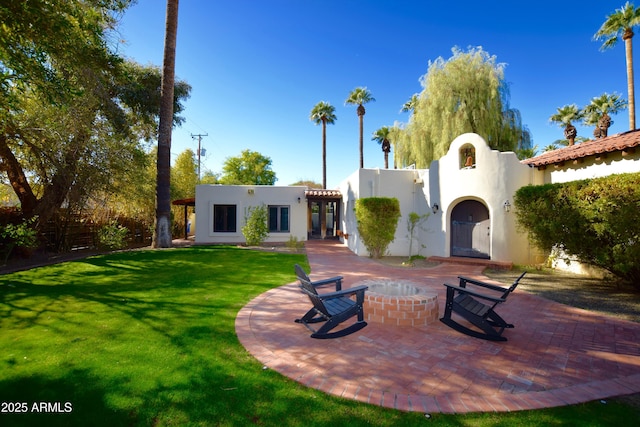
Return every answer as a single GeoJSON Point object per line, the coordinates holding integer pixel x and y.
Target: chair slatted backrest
{"type": "Point", "coordinates": [301, 274]}
{"type": "Point", "coordinates": [513, 286]}
{"type": "Point", "coordinates": [310, 290]}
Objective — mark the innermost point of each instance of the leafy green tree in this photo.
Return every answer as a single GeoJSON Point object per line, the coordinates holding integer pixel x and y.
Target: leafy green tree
{"type": "Point", "coordinates": [323, 113]}
{"type": "Point", "coordinates": [618, 25]}
{"type": "Point", "coordinates": [309, 183]}
{"type": "Point", "coordinates": [45, 43]}
{"type": "Point", "coordinates": [597, 112]}
{"type": "Point", "coordinates": [249, 168]}
{"type": "Point", "coordinates": [414, 221]}
{"type": "Point", "coordinates": [381, 136]}
{"type": "Point", "coordinates": [74, 112]}
{"type": "Point", "coordinates": [209, 177]}
{"type": "Point", "coordinates": [360, 96]}
{"type": "Point", "coordinates": [184, 175]}
{"type": "Point", "coordinates": [162, 229]}
{"type": "Point", "coordinates": [66, 153]}
{"type": "Point", "coordinates": [564, 117]}
{"type": "Point", "coordinates": [467, 93]}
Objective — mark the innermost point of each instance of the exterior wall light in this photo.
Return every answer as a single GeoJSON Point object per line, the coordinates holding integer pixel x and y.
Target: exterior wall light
{"type": "Point", "coordinates": [435, 208]}
{"type": "Point", "coordinates": [298, 199]}
{"type": "Point", "coordinates": [507, 206]}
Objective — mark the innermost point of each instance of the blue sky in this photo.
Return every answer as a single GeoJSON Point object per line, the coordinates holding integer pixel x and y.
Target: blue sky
{"type": "Point", "coordinates": [257, 68]}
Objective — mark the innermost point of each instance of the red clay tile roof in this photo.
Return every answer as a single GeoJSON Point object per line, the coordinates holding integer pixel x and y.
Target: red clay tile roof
{"type": "Point", "coordinates": [618, 142]}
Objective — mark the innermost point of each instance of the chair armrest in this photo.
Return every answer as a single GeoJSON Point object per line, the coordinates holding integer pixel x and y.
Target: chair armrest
{"type": "Point", "coordinates": [337, 280]}
{"type": "Point", "coordinates": [344, 292]}
{"type": "Point", "coordinates": [465, 280]}
{"type": "Point", "coordinates": [474, 293]}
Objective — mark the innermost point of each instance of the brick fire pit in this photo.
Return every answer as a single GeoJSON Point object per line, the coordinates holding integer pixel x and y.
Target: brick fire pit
{"type": "Point", "coordinates": [399, 303]}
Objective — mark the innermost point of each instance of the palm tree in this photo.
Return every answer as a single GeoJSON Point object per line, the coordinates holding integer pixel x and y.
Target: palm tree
{"type": "Point", "coordinates": [324, 113]}
{"type": "Point", "coordinates": [564, 117]}
{"type": "Point", "coordinates": [162, 229]}
{"type": "Point", "coordinates": [360, 96]}
{"type": "Point", "coordinates": [621, 23]}
{"type": "Point", "coordinates": [597, 112]}
{"type": "Point", "coordinates": [410, 105]}
{"type": "Point", "coordinates": [382, 137]}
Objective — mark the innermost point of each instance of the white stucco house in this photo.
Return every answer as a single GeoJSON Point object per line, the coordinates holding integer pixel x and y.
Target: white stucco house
{"type": "Point", "coordinates": [466, 197]}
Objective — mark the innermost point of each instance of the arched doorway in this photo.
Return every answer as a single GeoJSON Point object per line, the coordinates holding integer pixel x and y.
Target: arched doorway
{"type": "Point", "coordinates": [470, 230]}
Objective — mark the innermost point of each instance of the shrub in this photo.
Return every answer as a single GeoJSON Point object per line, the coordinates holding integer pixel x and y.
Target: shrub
{"type": "Point", "coordinates": [113, 236]}
{"type": "Point", "coordinates": [22, 235]}
{"type": "Point", "coordinates": [377, 219]}
{"type": "Point", "coordinates": [597, 221]}
{"type": "Point", "coordinates": [256, 229]}
{"type": "Point", "coordinates": [295, 244]}
{"type": "Point", "coordinates": [414, 221]}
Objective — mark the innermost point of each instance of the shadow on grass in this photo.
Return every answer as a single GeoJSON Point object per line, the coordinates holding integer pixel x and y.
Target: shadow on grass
{"type": "Point", "coordinates": [73, 399]}
{"type": "Point", "coordinates": [145, 338]}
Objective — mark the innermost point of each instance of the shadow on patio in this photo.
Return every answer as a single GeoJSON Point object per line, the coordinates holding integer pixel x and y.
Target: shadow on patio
{"type": "Point", "coordinates": [556, 355]}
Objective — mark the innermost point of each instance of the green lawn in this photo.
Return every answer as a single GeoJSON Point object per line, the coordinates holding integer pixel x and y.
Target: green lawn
{"type": "Point", "coordinates": [147, 338]}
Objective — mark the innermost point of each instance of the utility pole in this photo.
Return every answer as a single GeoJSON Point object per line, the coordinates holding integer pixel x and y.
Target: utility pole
{"type": "Point", "coordinates": [200, 150]}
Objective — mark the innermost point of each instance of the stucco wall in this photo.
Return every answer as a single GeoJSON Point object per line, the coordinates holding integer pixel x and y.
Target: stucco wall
{"type": "Point", "coordinates": [398, 183]}
{"type": "Point", "coordinates": [492, 181]}
{"type": "Point", "coordinates": [592, 167]}
{"type": "Point", "coordinates": [245, 196]}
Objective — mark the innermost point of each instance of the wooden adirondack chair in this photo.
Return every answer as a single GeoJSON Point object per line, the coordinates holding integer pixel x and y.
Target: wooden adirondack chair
{"type": "Point", "coordinates": [332, 308]}
{"type": "Point", "coordinates": [478, 308]}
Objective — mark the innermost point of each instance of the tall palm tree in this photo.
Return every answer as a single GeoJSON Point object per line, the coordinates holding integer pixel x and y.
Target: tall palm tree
{"type": "Point", "coordinates": [382, 137]}
{"type": "Point", "coordinates": [360, 96]}
{"type": "Point", "coordinates": [410, 105]}
{"type": "Point", "coordinates": [162, 229]}
{"type": "Point", "coordinates": [564, 117]}
{"type": "Point", "coordinates": [323, 113]}
{"type": "Point", "coordinates": [597, 112]}
{"type": "Point", "coordinates": [620, 24]}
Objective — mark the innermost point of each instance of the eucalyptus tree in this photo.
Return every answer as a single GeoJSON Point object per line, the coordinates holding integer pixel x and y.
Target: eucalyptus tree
{"type": "Point", "coordinates": [381, 136]}
{"type": "Point", "coordinates": [618, 25]}
{"type": "Point", "coordinates": [564, 117]}
{"type": "Point", "coordinates": [597, 113]}
{"type": "Point", "coordinates": [73, 113]}
{"type": "Point", "coordinates": [162, 228]}
{"type": "Point", "coordinates": [44, 43]}
{"type": "Point", "coordinates": [323, 113]}
{"type": "Point", "coordinates": [360, 96]}
{"type": "Point", "coordinates": [466, 93]}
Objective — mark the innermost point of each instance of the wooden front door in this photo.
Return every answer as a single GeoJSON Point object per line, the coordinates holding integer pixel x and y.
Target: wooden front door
{"type": "Point", "coordinates": [470, 230]}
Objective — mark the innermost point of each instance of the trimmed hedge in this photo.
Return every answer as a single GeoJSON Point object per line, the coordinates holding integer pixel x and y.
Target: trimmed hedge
{"type": "Point", "coordinates": [595, 220]}
{"type": "Point", "coordinates": [377, 219]}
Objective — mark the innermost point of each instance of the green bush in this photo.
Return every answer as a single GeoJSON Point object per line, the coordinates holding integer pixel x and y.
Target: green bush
{"type": "Point", "coordinates": [113, 236]}
{"type": "Point", "coordinates": [597, 221]}
{"type": "Point", "coordinates": [22, 235]}
{"type": "Point", "coordinates": [256, 228]}
{"type": "Point", "coordinates": [377, 219]}
{"type": "Point", "coordinates": [295, 244]}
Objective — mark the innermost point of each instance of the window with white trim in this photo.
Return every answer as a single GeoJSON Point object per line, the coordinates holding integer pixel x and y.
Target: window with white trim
{"type": "Point", "coordinates": [278, 219]}
{"type": "Point", "coordinates": [224, 218]}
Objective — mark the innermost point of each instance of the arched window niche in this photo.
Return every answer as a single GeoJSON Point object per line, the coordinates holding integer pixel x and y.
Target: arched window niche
{"type": "Point", "coordinates": [467, 155]}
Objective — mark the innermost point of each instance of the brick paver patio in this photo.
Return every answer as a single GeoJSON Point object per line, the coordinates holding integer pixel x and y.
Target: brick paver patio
{"type": "Point", "coordinates": [556, 355]}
